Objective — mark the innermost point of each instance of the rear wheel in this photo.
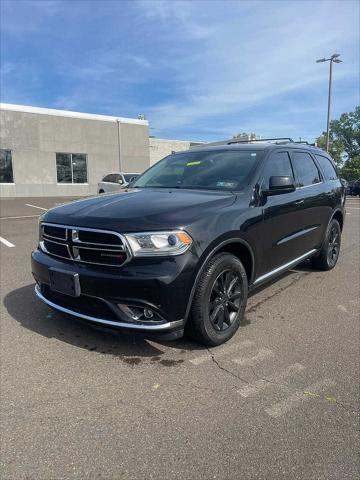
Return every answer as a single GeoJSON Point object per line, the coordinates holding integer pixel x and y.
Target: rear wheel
{"type": "Point", "coordinates": [219, 301]}
{"type": "Point", "coordinates": [101, 191]}
{"type": "Point", "coordinates": [329, 253]}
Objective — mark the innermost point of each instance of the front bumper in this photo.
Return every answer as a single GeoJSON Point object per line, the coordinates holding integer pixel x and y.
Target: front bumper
{"type": "Point", "coordinates": [163, 285]}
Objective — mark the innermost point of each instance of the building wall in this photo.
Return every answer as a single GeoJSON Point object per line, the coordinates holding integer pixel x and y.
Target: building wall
{"type": "Point", "coordinates": [160, 148]}
{"type": "Point", "coordinates": [34, 139]}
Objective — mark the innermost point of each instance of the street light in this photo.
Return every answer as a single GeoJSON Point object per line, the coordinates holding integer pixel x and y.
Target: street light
{"type": "Point", "coordinates": [333, 59]}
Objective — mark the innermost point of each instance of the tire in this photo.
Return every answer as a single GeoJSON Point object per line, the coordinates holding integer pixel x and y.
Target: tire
{"type": "Point", "coordinates": [219, 302]}
{"type": "Point", "coordinates": [329, 253]}
{"type": "Point", "coordinates": [101, 191]}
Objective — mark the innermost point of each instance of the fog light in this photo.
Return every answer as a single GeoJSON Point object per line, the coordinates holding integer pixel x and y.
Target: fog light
{"type": "Point", "coordinates": [148, 313]}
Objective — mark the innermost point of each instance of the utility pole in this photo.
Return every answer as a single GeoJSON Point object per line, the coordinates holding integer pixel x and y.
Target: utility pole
{"type": "Point", "coordinates": [333, 59]}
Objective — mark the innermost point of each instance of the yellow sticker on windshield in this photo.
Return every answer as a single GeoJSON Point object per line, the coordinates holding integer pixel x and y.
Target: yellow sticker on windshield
{"type": "Point", "coordinates": [192, 163]}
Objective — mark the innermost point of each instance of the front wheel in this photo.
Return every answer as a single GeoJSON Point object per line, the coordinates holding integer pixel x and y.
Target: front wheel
{"type": "Point", "coordinates": [219, 301]}
{"type": "Point", "coordinates": [329, 253]}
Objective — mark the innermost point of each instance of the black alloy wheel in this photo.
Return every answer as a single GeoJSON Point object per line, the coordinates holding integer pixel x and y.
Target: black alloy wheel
{"type": "Point", "coordinates": [333, 245]}
{"type": "Point", "coordinates": [225, 300]}
{"type": "Point", "coordinates": [219, 301]}
{"type": "Point", "coordinates": [328, 255]}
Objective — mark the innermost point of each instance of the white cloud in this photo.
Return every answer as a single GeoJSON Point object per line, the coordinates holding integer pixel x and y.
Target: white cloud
{"type": "Point", "coordinates": [252, 55]}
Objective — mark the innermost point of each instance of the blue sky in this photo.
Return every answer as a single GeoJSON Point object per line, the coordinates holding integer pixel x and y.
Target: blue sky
{"type": "Point", "coordinates": [197, 69]}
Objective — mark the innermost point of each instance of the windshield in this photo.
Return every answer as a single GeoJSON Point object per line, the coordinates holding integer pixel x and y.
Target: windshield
{"type": "Point", "coordinates": [214, 170]}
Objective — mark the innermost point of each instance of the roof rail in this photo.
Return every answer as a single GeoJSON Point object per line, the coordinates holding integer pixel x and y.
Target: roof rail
{"type": "Point", "coordinates": [305, 142]}
{"type": "Point", "coordinates": [275, 140]}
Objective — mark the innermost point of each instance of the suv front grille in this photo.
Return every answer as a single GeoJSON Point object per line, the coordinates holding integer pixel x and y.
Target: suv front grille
{"type": "Point", "coordinates": [99, 247]}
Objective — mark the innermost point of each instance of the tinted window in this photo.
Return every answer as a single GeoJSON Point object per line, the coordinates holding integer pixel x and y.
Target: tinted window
{"type": "Point", "coordinates": [71, 168]}
{"type": "Point", "coordinates": [79, 168]}
{"type": "Point", "coordinates": [214, 170]}
{"type": "Point", "coordinates": [129, 176]}
{"type": "Point", "coordinates": [107, 178]}
{"type": "Point", "coordinates": [305, 169]}
{"type": "Point", "coordinates": [63, 167]}
{"type": "Point", "coordinates": [278, 165]}
{"type": "Point", "coordinates": [327, 167]}
{"type": "Point", "coordinates": [6, 170]}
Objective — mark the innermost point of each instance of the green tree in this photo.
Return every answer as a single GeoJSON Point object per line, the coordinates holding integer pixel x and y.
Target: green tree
{"type": "Point", "coordinates": [351, 169]}
{"type": "Point", "coordinates": [344, 138]}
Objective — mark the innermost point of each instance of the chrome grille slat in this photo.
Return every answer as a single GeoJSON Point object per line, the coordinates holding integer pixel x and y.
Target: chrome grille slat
{"type": "Point", "coordinates": [114, 255]}
{"type": "Point", "coordinates": [80, 247]}
{"type": "Point", "coordinates": [80, 244]}
{"type": "Point", "coordinates": [52, 228]}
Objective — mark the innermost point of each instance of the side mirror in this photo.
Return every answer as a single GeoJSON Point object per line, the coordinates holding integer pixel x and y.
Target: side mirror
{"type": "Point", "coordinates": [280, 185]}
{"type": "Point", "coordinates": [120, 182]}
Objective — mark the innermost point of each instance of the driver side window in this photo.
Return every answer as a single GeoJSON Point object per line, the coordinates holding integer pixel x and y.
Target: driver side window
{"type": "Point", "coordinates": [278, 165]}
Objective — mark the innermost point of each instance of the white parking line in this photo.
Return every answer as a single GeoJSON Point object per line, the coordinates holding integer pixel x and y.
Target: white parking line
{"type": "Point", "coordinates": [6, 242]}
{"type": "Point", "coordinates": [260, 385]}
{"type": "Point", "coordinates": [35, 206]}
{"type": "Point", "coordinates": [279, 409]}
{"type": "Point", "coordinates": [21, 216]}
{"type": "Point", "coordinates": [259, 357]}
{"type": "Point", "coordinates": [221, 351]}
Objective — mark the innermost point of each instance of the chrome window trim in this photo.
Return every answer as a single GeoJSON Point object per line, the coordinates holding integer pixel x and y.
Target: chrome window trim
{"type": "Point", "coordinates": [135, 326]}
{"type": "Point", "coordinates": [312, 185]}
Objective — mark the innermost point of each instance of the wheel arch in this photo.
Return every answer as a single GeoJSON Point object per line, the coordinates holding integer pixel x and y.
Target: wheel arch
{"type": "Point", "coordinates": [238, 247]}
{"type": "Point", "coordinates": [339, 216]}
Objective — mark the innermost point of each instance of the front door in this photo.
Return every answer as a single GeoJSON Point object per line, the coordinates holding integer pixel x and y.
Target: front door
{"type": "Point", "coordinates": [282, 217]}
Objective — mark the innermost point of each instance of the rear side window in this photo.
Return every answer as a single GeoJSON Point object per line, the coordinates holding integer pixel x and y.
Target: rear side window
{"type": "Point", "coordinates": [306, 171]}
{"type": "Point", "coordinates": [278, 165]}
{"type": "Point", "coordinates": [327, 167]}
{"type": "Point", "coordinates": [107, 178]}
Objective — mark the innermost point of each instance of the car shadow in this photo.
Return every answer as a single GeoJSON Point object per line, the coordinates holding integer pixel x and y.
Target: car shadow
{"type": "Point", "coordinates": [23, 306]}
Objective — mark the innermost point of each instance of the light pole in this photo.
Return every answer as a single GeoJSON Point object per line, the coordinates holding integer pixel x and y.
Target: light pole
{"type": "Point", "coordinates": [333, 59]}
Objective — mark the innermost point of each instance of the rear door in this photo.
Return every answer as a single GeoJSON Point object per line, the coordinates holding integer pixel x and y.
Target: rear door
{"type": "Point", "coordinates": [283, 224]}
{"type": "Point", "coordinates": [314, 194]}
{"type": "Point", "coordinates": [113, 184]}
{"type": "Point", "coordinates": [107, 183]}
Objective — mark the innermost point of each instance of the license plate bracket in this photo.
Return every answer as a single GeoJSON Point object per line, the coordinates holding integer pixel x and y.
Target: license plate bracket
{"type": "Point", "coordinates": [65, 282]}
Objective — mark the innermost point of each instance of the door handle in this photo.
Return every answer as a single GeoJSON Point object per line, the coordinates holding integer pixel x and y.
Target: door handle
{"type": "Point", "coordinates": [299, 202]}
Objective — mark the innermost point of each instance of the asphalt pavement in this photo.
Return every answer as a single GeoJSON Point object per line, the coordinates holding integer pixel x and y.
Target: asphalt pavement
{"type": "Point", "coordinates": [279, 401]}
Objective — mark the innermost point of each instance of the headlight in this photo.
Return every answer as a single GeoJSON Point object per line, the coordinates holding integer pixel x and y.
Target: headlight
{"type": "Point", "coordinates": [149, 244]}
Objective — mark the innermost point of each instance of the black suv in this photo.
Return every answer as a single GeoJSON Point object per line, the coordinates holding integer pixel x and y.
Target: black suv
{"type": "Point", "coordinates": [182, 247]}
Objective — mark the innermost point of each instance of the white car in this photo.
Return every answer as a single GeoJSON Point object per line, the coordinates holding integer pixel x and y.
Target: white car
{"type": "Point", "coordinates": [116, 181]}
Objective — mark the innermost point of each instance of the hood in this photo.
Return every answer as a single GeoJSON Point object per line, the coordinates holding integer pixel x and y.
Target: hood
{"type": "Point", "coordinates": [141, 209]}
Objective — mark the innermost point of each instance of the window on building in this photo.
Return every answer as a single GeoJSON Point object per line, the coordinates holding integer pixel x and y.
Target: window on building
{"type": "Point", "coordinates": [327, 167]}
{"type": "Point", "coordinates": [278, 165]}
{"type": "Point", "coordinates": [71, 168]}
{"type": "Point", "coordinates": [307, 172]}
{"type": "Point", "coordinates": [6, 168]}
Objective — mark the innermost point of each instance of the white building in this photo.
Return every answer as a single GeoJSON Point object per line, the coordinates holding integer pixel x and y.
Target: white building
{"type": "Point", "coordinates": [46, 152]}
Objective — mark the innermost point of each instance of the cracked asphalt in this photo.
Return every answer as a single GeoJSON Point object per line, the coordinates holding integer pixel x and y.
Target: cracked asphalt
{"type": "Point", "coordinates": [279, 401]}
